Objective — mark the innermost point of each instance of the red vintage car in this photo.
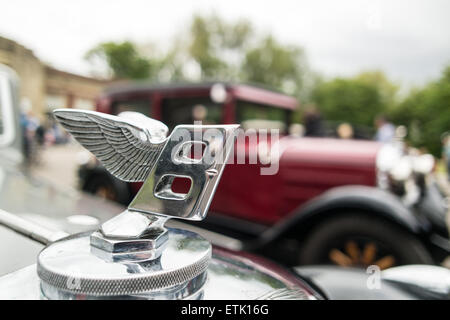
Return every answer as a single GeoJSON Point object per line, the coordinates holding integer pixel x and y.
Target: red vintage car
{"type": "Point", "coordinates": [347, 202]}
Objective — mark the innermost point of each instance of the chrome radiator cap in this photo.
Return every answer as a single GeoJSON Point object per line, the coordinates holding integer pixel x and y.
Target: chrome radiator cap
{"type": "Point", "coordinates": [133, 255]}
{"type": "Point", "coordinates": [72, 267]}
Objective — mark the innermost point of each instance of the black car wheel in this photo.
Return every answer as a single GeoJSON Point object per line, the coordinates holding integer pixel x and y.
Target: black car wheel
{"type": "Point", "coordinates": [358, 240]}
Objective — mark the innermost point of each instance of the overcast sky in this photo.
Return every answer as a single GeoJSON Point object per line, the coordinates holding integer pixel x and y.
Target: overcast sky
{"type": "Point", "coordinates": [408, 39]}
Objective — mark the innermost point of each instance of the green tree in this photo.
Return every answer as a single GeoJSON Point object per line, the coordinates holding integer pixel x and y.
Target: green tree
{"type": "Point", "coordinates": [214, 42]}
{"type": "Point", "coordinates": [232, 51]}
{"type": "Point", "coordinates": [122, 59]}
{"type": "Point", "coordinates": [276, 65]}
{"type": "Point", "coordinates": [201, 48]}
{"type": "Point", "coordinates": [349, 100]}
{"type": "Point", "coordinates": [426, 113]}
{"type": "Point", "coordinates": [219, 49]}
{"type": "Point", "coordinates": [387, 90]}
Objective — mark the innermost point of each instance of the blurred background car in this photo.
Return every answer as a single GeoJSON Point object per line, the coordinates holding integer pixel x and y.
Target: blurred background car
{"type": "Point", "coordinates": [346, 202]}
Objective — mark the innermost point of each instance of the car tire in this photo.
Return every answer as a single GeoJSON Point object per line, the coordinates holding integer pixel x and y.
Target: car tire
{"type": "Point", "coordinates": [323, 244]}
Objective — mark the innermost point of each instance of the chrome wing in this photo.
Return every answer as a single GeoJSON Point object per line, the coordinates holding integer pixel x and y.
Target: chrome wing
{"type": "Point", "coordinates": [126, 146]}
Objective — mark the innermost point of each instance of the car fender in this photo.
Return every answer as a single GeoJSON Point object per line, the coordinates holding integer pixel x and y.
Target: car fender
{"type": "Point", "coordinates": [369, 200]}
{"type": "Point", "coordinates": [88, 172]}
{"type": "Point", "coordinates": [410, 282]}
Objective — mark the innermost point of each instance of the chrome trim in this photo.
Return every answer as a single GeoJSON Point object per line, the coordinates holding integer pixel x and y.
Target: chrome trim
{"type": "Point", "coordinates": [156, 196]}
{"type": "Point", "coordinates": [231, 276]}
{"type": "Point", "coordinates": [191, 291]}
{"type": "Point", "coordinates": [430, 281]}
{"type": "Point", "coordinates": [30, 229]}
{"type": "Point", "coordinates": [126, 146]}
{"type": "Point", "coordinates": [70, 265]}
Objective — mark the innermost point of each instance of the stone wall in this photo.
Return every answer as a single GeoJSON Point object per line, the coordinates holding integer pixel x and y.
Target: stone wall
{"type": "Point", "coordinates": [45, 88]}
{"type": "Point", "coordinates": [30, 70]}
{"type": "Point", "coordinates": [77, 91]}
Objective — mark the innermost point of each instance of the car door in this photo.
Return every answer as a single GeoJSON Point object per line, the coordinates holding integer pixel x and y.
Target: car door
{"type": "Point", "coordinates": [246, 191]}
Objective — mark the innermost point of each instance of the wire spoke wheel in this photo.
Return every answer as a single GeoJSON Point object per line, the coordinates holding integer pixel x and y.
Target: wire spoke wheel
{"type": "Point", "coordinates": [358, 240]}
{"type": "Point", "coordinates": [106, 192]}
{"type": "Point", "coordinates": [354, 255]}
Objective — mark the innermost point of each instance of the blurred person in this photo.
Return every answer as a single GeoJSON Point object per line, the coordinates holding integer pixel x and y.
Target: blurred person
{"type": "Point", "coordinates": [29, 124]}
{"type": "Point", "coordinates": [345, 131]}
{"type": "Point", "coordinates": [446, 151]}
{"type": "Point", "coordinates": [297, 130]}
{"type": "Point", "coordinates": [313, 122]}
{"type": "Point", "coordinates": [385, 130]}
{"type": "Point", "coordinates": [26, 149]}
{"type": "Point", "coordinates": [59, 135]}
{"type": "Point", "coordinates": [200, 113]}
{"type": "Point", "coordinates": [40, 135]}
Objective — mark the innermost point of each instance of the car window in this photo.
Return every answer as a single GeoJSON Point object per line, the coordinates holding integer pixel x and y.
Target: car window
{"type": "Point", "coordinates": [137, 105]}
{"type": "Point", "coordinates": [177, 111]}
{"type": "Point", "coordinates": [258, 116]}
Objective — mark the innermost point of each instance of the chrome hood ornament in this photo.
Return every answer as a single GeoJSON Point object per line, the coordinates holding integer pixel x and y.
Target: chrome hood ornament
{"type": "Point", "coordinates": [134, 253]}
{"type": "Point", "coordinates": [127, 146]}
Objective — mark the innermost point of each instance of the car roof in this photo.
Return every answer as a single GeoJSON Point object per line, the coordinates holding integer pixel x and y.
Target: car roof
{"type": "Point", "coordinates": [250, 92]}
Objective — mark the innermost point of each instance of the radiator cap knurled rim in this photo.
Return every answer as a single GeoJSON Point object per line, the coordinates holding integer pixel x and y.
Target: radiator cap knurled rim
{"type": "Point", "coordinates": [71, 266]}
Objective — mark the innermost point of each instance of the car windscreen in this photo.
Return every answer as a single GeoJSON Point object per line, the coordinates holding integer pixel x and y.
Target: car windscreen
{"type": "Point", "coordinates": [141, 105]}
{"type": "Point", "coordinates": [177, 111]}
{"type": "Point", "coordinates": [259, 116]}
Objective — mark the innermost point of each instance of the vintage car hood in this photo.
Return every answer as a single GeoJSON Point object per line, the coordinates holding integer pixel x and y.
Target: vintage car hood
{"type": "Point", "coordinates": [423, 282]}
{"type": "Point", "coordinates": [323, 151]}
{"type": "Point", "coordinates": [310, 166]}
{"type": "Point", "coordinates": [56, 207]}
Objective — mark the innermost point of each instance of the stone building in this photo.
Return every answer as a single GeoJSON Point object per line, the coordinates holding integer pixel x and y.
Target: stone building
{"type": "Point", "coordinates": [45, 88]}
